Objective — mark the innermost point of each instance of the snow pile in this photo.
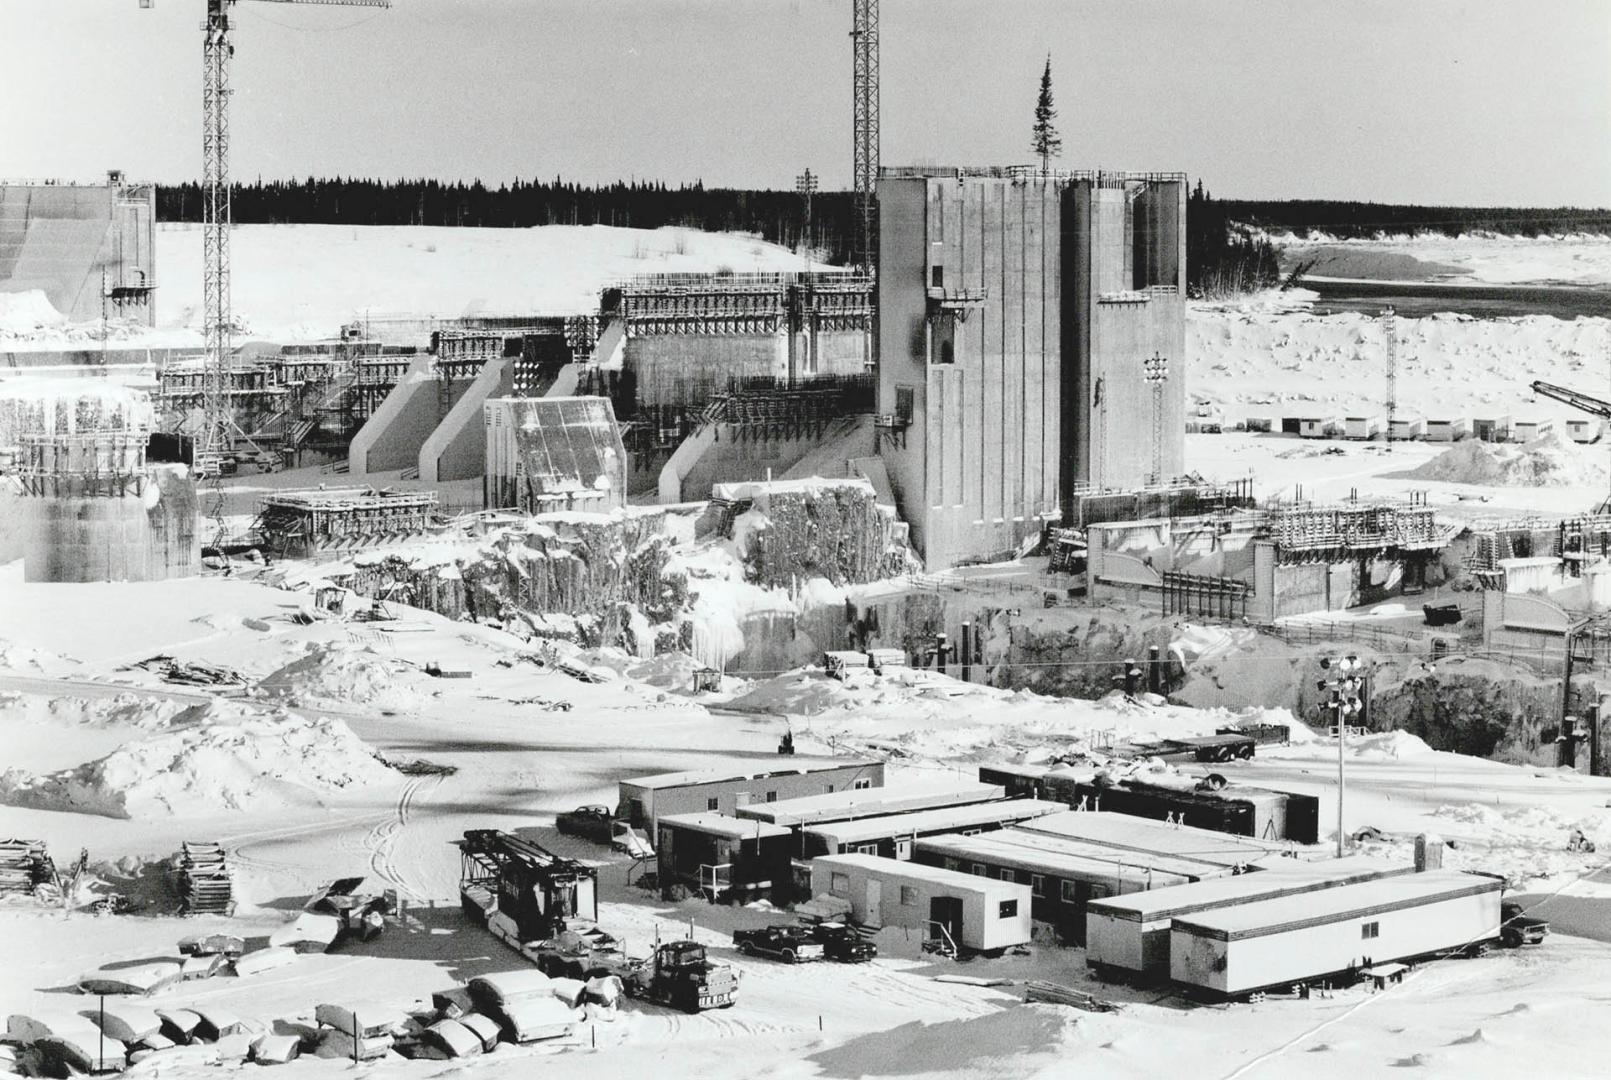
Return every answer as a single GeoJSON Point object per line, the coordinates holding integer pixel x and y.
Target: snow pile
{"type": "Point", "coordinates": [18, 657]}
{"type": "Point", "coordinates": [336, 674]}
{"type": "Point", "coordinates": [1550, 460]}
{"type": "Point", "coordinates": [1386, 745]}
{"type": "Point", "coordinates": [27, 312]}
{"type": "Point", "coordinates": [236, 758]}
{"type": "Point", "coordinates": [123, 710]}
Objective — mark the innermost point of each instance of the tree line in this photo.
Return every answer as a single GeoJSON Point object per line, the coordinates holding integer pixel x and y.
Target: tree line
{"type": "Point", "coordinates": [1227, 246]}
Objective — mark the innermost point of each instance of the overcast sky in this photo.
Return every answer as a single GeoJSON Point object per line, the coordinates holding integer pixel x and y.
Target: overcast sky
{"type": "Point", "coordinates": [1439, 101]}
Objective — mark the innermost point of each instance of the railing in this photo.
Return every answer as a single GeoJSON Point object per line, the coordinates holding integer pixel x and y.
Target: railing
{"type": "Point", "coordinates": [1024, 172]}
{"type": "Point", "coordinates": [715, 879]}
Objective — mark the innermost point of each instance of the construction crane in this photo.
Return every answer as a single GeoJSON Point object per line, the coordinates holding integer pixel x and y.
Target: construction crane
{"type": "Point", "coordinates": [864, 107]}
{"type": "Point", "coordinates": [218, 425]}
{"type": "Point", "coordinates": [1583, 403]}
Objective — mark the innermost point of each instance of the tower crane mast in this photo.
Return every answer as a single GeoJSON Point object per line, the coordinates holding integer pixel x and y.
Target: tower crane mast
{"type": "Point", "coordinates": [218, 424]}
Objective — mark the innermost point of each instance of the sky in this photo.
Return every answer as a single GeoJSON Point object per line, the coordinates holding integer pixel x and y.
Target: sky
{"type": "Point", "coordinates": [1453, 102]}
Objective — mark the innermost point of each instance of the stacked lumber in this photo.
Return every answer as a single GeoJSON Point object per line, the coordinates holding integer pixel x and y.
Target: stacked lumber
{"type": "Point", "coordinates": [1052, 994]}
{"type": "Point", "coordinates": [204, 883]}
{"type": "Point", "coordinates": [24, 865]}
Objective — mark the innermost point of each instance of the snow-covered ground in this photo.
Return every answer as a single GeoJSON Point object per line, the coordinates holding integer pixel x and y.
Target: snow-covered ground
{"type": "Point", "coordinates": [293, 283]}
{"type": "Point", "coordinates": [518, 756]}
{"type": "Point", "coordinates": [1580, 259]}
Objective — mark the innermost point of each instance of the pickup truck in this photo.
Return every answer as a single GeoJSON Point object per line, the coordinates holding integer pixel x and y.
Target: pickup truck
{"type": "Point", "coordinates": [791, 944]}
{"type": "Point", "coordinates": [1516, 928]}
{"type": "Point", "coordinates": [590, 822]}
{"type": "Point", "coordinates": [839, 942]}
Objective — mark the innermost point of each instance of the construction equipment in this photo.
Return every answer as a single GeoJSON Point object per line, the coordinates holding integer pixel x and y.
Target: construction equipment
{"type": "Point", "coordinates": [680, 975]}
{"type": "Point", "coordinates": [864, 108]}
{"type": "Point", "coordinates": [1582, 402]}
{"type": "Point", "coordinates": [216, 439]}
{"type": "Point", "coordinates": [205, 887]}
{"type": "Point", "coordinates": [521, 891]}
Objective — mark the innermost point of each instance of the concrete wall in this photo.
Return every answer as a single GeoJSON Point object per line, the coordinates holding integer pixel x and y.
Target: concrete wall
{"type": "Point", "coordinates": [147, 536]}
{"type": "Point", "coordinates": [392, 436]}
{"type": "Point", "coordinates": [58, 239]}
{"type": "Point", "coordinates": [1125, 274]}
{"type": "Point", "coordinates": [690, 369]}
{"type": "Point", "coordinates": [731, 453]}
{"type": "Point", "coordinates": [980, 472]}
{"type": "Point", "coordinates": [457, 448]}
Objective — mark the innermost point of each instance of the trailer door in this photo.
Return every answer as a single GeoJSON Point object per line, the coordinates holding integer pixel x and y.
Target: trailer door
{"type": "Point", "coordinates": [875, 903]}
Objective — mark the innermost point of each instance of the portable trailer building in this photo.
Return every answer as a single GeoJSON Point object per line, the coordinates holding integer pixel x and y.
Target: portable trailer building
{"type": "Point", "coordinates": [1406, 429]}
{"type": "Point", "coordinates": [645, 799]}
{"type": "Point", "coordinates": [724, 858]}
{"type": "Point", "coordinates": [1063, 875]}
{"type": "Point", "coordinates": [1293, 939]}
{"type": "Point", "coordinates": [1018, 780]}
{"type": "Point", "coordinates": [852, 803]}
{"type": "Point", "coordinates": [1129, 935]}
{"type": "Point", "coordinates": [1447, 430]}
{"type": "Point", "coordinates": [1491, 428]}
{"type": "Point", "coordinates": [1581, 430]}
{"type": "Point", "coordinates": [977, 914]}
{"type": "Point", "coordinates": [1126, 833]}
{"type": "Point", "coordinates": [1528, 430]}
{"type": "Point", "coordinates": [1361, 427]}
{"type": "Point", "coordinates": [1237, 809]}
{"type": "Point", "coordinates": [891, 835]}
{"type": "Point", "coordinates": [1319, 427]}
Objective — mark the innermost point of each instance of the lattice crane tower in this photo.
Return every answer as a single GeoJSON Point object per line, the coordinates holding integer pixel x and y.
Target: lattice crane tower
{"type": "Point", "coordinates": [864, 105]}
{"type": "Point", "coordinates": [217, 421]}
{"type": "Point", "coordinates": [1390, 328]}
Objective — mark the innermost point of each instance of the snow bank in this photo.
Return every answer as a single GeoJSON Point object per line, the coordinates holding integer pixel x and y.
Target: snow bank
{"type": "Point", "coordinates": [236, 758]}
{"type": "Point", "coordinates": [339, 674]}
{"type": "Point", "coordinates": [1551, 460]}
{"type": "Point", "coordinates": [27, 312]}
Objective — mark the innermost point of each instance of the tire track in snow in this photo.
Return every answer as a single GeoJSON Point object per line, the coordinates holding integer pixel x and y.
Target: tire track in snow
{"type": "Point", "coordinates": [381, 842]}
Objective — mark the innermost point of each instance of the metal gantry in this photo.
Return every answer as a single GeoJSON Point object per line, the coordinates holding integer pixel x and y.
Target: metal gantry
{"type": "Point", "coordinates": [864, 106]}
{"type": "Point", "coordinates": [1157, 373]}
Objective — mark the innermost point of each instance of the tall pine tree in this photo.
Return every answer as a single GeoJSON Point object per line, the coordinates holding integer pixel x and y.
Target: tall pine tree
{"type": "Point", "coordinates": [1045, 142]}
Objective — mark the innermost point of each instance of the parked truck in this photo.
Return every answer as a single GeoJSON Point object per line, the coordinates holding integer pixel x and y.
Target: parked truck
{"type": "Point", "coordinates": [791, 944]}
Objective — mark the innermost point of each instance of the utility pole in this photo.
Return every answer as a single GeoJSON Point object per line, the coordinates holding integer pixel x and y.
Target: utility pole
{"type": "Point", "coordinates": [1157, 373]}
{"type": "Point", "coordinates": [1345, 704]}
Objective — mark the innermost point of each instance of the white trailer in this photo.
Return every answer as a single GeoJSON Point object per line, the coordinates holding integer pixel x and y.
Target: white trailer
{"type": "Point", "coordinates": [1361, 427]}
{"type": "Point", "coordinates": [1303, 938]}
{"type": "Point", "coordinates": [977, 914]}
{"type": "Point", "coordinates": [1451, 429]}
{"type": "Point", "coordinates": [1128, 936]}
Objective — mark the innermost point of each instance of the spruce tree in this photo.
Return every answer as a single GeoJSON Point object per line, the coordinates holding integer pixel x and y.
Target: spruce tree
{"type": "Point", "coordinates": [1045, 141]}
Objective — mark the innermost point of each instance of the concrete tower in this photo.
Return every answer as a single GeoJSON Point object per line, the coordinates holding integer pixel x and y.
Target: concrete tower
{"type": "Point", "coordinates": [1016, 311]}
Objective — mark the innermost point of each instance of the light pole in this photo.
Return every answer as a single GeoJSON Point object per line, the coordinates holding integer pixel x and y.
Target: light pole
{"type": "Point", "coordinates": [1157, 373]}
{"type": "Point", "coordinates": [806, 184]}
{"type": "Point", "coordinates": [1345, 705]}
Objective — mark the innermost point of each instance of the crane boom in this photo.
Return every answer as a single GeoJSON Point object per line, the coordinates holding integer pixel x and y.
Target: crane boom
{"type": "Point", "coordinates": [1591, 405]}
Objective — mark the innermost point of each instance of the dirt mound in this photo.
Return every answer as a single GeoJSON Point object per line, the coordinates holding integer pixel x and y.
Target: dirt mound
{"type": "Point", "coordinates": [234, 759]}
{"type": "Point", "coordinates": [1551, 460]}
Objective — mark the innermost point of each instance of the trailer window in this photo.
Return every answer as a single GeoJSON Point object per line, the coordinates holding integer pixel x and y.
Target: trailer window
{"type": "Point", "coordinates": [1037, 885]}
{"type": "Point", "coordinates": [1009, 909]}
{"type": "Point", "coordinates": [1069, 895]}
{"type": "Point", "coordinates": [1370, 930]}
{"type": "Point", "coordinates": [771, 796]}
{"type": "Point", "coordinates": [1004, 874]}
{"type": "Point", "coordinates": [862, 783]}
{"type": "Point", "coordinates": [839, 884]}
{"type": "Point", "coordinates": [867, 849]}
{"type": "Point", "coordinates": [978, 869]}
{"type": "Point", "coordinates": [713, 803]}
{"type": "Point", "coordinates": [952, 864]}
{"type": "Point", "coordinates": [908, 896]}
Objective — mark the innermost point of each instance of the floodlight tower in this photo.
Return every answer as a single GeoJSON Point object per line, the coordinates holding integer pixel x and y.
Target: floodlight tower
{"type": "Point", "coordinates": [806, 185]}
{"type": "Point", "coordinates": [1347, 703]}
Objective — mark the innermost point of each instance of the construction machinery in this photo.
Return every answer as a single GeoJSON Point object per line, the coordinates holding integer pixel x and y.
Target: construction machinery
{"type": "Point", "coordinates": [1583, 403]}
{"type": "Point", "coordinates": [521, 891]}
{"type": "Point", "coordinates": [216, 440]}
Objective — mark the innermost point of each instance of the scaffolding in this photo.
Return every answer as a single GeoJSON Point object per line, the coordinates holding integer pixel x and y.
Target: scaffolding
{"type": "Point", "coordinates": [1304, 532]}
{"type": "Point", "coordinates": [306, 524]}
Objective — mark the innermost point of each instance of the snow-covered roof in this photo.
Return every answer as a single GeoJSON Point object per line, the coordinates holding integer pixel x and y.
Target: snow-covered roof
{"type": "Point", "coordinates": [868, 802]}
{"type": "Point", "coordinates": [708, 821]}
{"type": "Point", "coordinates": [1044, 855]}
{"type": "Point", "coordinates": [938, 819]}
{"type": "Point", "coordinates": [1378, 895]}
{"type": "Point", "coordinates": [896, 870]}
{"type": "Point", "coordinates": [1129, 833]}
{"type": "Point", "coordinates": [1285, 877]}
{"type": "Point", "coordinates": [796, 766]}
